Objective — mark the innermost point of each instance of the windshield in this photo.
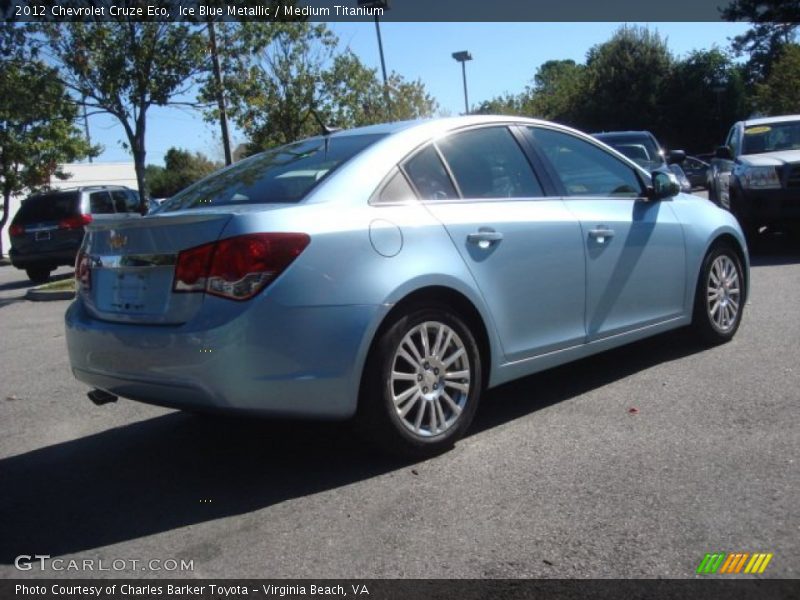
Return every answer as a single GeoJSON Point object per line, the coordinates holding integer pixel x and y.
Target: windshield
{"type": "Point", "coordinates": [771, 137]}
{"type": "Point", "coordinates": [281, 175]}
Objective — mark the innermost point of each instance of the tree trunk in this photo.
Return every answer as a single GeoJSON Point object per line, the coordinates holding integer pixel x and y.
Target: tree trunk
{"type": "Point", "coordinates": [139, 154]}
{"type": "Point", "coordinates": [4, 219]}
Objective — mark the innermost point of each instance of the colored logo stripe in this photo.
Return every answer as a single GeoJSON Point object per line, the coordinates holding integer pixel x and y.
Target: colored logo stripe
{"type": "Point", "coordinates": [711, 563]}
{"type": "Point", "coordinates": [758, 563]}
{"type": "Point", "coordinates": [734, 562]}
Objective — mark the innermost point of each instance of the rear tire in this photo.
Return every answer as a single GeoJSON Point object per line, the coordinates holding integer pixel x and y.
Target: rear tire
{"type": "Point", "coordinates": [719, 297]}
{"type": "Point", "coordinates": [421, 384]}
{"type": "Point", "coordinates": [39, 274]}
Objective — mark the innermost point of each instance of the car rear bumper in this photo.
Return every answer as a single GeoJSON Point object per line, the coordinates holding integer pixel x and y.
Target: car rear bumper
{"type": "Point", "coordinates": [298, 362]}
{"type": "Point", "coordinates": [53, 258]}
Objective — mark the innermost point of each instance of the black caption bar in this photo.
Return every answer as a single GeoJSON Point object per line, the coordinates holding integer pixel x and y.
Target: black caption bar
{"type": "Point", "coordinates": [362, 10]}
{"type": "Point", "coordinates": [407, 589]}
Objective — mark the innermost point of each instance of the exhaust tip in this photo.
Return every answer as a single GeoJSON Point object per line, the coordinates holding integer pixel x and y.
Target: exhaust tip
{"type": "Point", "coordinates": [100, 397]}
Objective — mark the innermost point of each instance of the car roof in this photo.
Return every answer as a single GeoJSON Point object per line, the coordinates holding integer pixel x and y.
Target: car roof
{"type": "Point", "coordinates": [441, 124]}
{"type": "Point", "coordinates": [768, 120]}
{"type": "Point", "coordinates": [616, 134]}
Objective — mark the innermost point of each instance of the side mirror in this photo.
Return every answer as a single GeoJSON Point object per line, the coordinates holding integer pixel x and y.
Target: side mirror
{"type": "Point", "coordinates": [665, 185]}
{"type": "Point", "coordinates": [723, 152]}
{"type": "Point", "coordinates": [676, 157]}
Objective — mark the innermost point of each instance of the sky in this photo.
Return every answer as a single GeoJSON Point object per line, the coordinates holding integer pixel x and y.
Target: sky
{"type": "Point", "coordinates": [505, 59]}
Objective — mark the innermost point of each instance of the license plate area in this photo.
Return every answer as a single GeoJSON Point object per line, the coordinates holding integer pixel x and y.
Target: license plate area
{"type": "Point", "coordinates": [128, 292]}
{"type": "Point", "coordinates": [40, 236]}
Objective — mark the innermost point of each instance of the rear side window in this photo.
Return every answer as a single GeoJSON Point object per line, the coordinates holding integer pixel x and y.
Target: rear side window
{"type": "Point", "coordinates": [48, 207]}
{"type": "Point", "coordinates": [488, 163]}
{"type": "Point", "coordinates": [395, 191]}
{"type": "Point", "coordinates": [585, 169]}
{"type": "Point", "coordinates": [427, 173]}
{"type": "Point", "coordinates": [282, 175]}
{"type": "Point", "coordinates": [123, 201]}
{"type": "Point", "coordinates": [100, 203]}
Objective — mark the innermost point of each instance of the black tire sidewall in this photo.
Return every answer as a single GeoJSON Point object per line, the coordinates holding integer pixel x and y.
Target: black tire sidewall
{"type": "Point", "coordinates": [376, 404]}
{"type": "Point", "coordinates": [701, 319]}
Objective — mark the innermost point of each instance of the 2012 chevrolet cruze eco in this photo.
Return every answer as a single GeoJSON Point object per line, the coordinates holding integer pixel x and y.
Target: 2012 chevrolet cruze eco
{"type": "Point", "coordinates": [392, 273]}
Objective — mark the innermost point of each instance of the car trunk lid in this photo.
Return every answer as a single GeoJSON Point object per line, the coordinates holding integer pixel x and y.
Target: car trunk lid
{"type": "Point", "coordinates": [132, 264]}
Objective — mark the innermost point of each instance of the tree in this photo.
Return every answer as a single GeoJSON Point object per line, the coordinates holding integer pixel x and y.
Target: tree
{"type": "Point", "coordinates": [279, 74]}
{"type": "Point", "coordinates": [506, 104]}
{"type": "Point", "coordinates": [558, 89]}
{"type": "Point", "coordinates": [624, 81]}
{"type": "Point", "coordinates": [702, 96]}
{"type": "Point", "coordinates": [354, 96]}
{"type": "Point", "coordinates": [123, 68]}
{"type": "Point", "coordinates": [182, 168]}
{"type": "Point", "coordinates": [778, 94]}
{"type": "Point", "coordinates": [774, 25]}
{"type": "Point", "coordinates": [37, 124]}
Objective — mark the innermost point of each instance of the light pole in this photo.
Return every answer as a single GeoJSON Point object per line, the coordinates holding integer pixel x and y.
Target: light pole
{"type": "Point", "coordinates": [463, 57]}
{"type": "Point", "coordinates": [384, 4]}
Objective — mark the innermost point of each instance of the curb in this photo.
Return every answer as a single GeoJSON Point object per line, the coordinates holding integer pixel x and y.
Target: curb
{"type": "Point", "coordinates": [45, 296]}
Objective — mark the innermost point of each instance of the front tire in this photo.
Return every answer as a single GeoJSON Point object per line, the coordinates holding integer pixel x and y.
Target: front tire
{"type": "Point", "coordinates": [719, 298]}
{"type": "Point", "coordinates": [421, 383]}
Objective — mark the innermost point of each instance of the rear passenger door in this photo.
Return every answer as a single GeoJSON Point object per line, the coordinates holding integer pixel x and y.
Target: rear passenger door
{"type": "Point", "coordinates": [523, 248]}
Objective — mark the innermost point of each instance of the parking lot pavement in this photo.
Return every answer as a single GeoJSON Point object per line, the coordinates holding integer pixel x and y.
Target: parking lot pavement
{"type": "Point", "coordinates": [558, 478]}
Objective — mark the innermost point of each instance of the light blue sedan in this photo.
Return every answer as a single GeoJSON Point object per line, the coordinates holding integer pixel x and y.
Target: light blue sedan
{"type": "Point", "coordinates": [392, 273]}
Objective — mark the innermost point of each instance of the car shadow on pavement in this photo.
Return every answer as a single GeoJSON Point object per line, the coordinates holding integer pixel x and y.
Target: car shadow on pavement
{"type": "Point", "coordinates": [24, 282]}
{"type": "Point", "coordinates": [774, 249]}
{"type": "Point", "coordinates": [178, 469]}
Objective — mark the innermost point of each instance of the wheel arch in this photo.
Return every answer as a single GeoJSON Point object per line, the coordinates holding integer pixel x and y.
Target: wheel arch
{"type": "Point", "coordinates": [446, 297]}
{"type": "Point", "coordinates": [728, 239]}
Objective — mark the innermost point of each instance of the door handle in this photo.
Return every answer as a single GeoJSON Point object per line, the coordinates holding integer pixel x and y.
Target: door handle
{"type": "Point", "coordinates": [601, 234]}
{"type": "Point", "coordinates": [484, 237]}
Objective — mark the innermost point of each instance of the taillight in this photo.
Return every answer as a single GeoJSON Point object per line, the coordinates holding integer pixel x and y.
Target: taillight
{"type": "Point", "coordinates": [240, 267]}
{"type": "Point", "coordinates": [75, 222]}
{"type": "Point", "coordinates": [83, 271]}
{"type": "Point", "coordinates": [16, 230]}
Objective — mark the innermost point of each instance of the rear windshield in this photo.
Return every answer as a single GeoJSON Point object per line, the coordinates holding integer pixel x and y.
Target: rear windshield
{"type": "Point", "coordinates": [48, 207]}
{"type": "Point", "coordinates": [281, 175]}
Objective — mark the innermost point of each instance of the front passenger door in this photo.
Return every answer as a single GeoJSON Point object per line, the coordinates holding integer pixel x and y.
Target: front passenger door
{"type": "Point", "coordinates": [635, 256]}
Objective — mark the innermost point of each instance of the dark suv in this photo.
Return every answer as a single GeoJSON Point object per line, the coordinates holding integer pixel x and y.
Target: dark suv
{"type": "Point", "coordinates": [48, 228]}
{"type": "Point", "coordinates": [756, 174]}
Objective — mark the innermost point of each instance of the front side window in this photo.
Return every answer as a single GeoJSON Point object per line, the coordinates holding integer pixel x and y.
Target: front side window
{"type": "Point", "coordinates": [281, 175]}
{"type": "Point", "coordinates": [427, 173]}
{"type": "Point", "coordinates": [488, 163]}
{"type": "Point", "coordinates": [585, 169]}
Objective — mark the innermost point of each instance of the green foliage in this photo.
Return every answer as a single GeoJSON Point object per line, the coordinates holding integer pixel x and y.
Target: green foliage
{"type": "Point", "coordinates": [774, 25]}
{"type": "Point", "coordinates": [37, 123]}
{"type": "Point", "coordinates": [703, 95]}
{"type": "Point", "coordinates": [181, 169]}
{"type": "Point", "coordinates": [778, 95]}
{"type": "Point", "coordinates": [276, 74]}
{"type": "Point", "coordinates": [625, 81]}
{"type": "Point", "coordinates": [558, 89]}
{"type": "Point", "coordinates": [123, 68]}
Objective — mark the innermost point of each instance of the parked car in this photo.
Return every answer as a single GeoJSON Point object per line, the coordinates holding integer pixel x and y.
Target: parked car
{"type": "Point", "coordinates": [392, 273]}
{"type": "Point", "coordinates": [696, 171]}
{"type": "Point", "coordinates": [643, 148]}
{"type": "Point", "coordinates": [48, 228]}
{"type": "Point", "coordinates": [756, 174]}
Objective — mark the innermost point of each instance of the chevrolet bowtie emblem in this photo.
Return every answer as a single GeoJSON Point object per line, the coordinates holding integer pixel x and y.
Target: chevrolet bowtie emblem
{"type": "Point", "coordinates": [117, 240]}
